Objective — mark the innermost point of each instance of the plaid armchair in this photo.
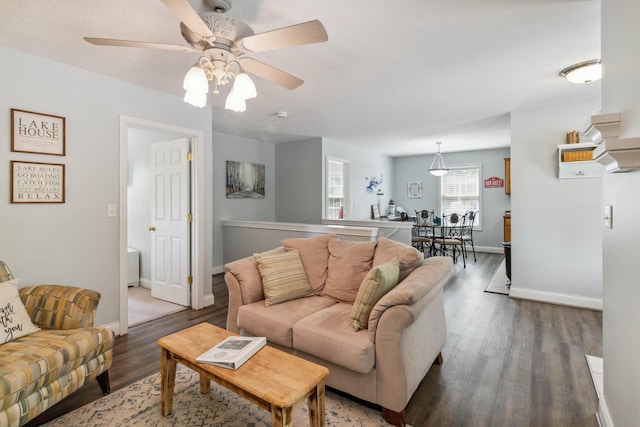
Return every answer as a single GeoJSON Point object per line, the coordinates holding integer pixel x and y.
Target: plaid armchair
{"type": "Point", "coordinates": [40, 369]}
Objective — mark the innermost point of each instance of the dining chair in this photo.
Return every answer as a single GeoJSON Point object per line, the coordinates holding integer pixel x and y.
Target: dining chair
{"type": "Point", "coordinates": [449, 242]}
{"type": "Point", "coordinates": [467, 233]}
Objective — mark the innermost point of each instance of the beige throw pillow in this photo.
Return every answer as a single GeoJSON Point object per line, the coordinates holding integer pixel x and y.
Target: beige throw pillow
{"type": "Point", "coordinates": [349, 262]}
{"type": "Point", "coordinates": [14, 318]}
{"type": "Point", "coordinates": [314, 253]}
{"type": "Point", "coordinates": [376, 284]}
{"type": "Point", "coordinates": [283, 277]}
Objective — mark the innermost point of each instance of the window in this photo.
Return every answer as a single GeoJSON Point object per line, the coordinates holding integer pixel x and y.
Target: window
{"type": "Point", "coordinates": [460, 191]}
{"type": "Point", "coordinates": [337, 202]}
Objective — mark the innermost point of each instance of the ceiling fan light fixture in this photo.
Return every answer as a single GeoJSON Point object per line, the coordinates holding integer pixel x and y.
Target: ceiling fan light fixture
{"type": "Point", "coordinates": [235, 103]}
{"type": "Point", "coordinates": [244, 87]}
{"type": "Point", "coordinates": [437, 165]}
{"type": "Point", "coordinates": [584, 72]}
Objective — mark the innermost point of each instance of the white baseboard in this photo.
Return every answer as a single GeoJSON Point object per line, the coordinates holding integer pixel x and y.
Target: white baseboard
{"type": "Point", "coordinates": [217, 269]}
{"type": "Point", "coordinates": [556, 298]}
{"type": "Point", "coordinates": [603, 414]}
{"type": "Point", "coordinates": [208, 300]}
{"type": "Point", "coordinates": [115, 327]}
{"type": "Point", "coordinates": [145, 283]}
{"type": "Point", "coordinates": [489, 249]}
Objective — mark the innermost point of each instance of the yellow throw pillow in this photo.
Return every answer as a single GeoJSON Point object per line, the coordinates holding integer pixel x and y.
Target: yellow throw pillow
{"type": "Point", "coordinates": [283, 277]}
{"type": "Point", "coordinates": [376, 284]}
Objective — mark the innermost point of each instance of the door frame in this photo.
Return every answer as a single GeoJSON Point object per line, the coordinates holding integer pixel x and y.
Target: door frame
{"type": "Point", "coordinates": [197, 208]}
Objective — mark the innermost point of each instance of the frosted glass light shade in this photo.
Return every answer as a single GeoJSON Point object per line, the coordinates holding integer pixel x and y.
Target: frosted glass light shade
{"type": "Point", "coordinates": [437, 165]}
{"type": "Point", "coordinates": [196, 80]}
{"type": "Point", "coordinates": [197, 99]}
{"type": "Point", "coordinates": [235, 102]}
{"type": "Point", "coordinates": [244, 86]}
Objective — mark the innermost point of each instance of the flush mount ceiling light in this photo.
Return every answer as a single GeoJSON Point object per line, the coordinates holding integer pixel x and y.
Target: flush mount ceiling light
{"type": "Point", "coordinates": [437, 166]}
{"type": "Point", "coordinates": [584, 72]}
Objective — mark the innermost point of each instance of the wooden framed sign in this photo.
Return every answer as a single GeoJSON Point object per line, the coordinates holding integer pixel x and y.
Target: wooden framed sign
{"type": "Point", "coordinates": [37, 182]}
{"type": "Point", "coordinates": [37, 133]}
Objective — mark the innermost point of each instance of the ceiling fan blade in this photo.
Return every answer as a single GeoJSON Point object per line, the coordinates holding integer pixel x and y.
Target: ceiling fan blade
{"type": "Point", "coordinates": [305, 33]}
{"type": "Point", "coordinates": [189, 17]}
{"type": "Point", "coordinates": [270, 73]}
{"type": "Point", "coordinates": [129, 43]}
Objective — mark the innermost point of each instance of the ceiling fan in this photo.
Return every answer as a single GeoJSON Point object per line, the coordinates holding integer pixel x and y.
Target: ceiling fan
{"type": "Point", "coordinates": [223, 41]}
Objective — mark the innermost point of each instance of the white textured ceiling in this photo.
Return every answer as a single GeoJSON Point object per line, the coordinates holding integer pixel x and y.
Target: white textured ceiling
{"type": "Point", "coordinates": [394, 76]}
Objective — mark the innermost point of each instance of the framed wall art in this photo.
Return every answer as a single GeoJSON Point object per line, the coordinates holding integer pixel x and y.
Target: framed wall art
{"type": "Point", "coordinates": [375, 211]}
{"type": "Point", "coordinates": [414, 189]}
{"type": "Point", "coordinates": [37, 133]}
{"type": "Point", "coordinates": [245, 180]}
{"type": "Point", "coordinates": [37, 182]}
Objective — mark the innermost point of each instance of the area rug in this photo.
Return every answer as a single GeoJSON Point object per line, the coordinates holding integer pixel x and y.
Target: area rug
{"type": "Point", "coordinates": [139, 405]}
{"type": "Point", "coordinates": [498, 283]}
{"type": "Point", "coordinates": [143, 307]}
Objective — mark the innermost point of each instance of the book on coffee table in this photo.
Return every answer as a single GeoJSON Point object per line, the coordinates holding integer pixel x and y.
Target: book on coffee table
{"type": "Point", "coordinates": [232, 352]}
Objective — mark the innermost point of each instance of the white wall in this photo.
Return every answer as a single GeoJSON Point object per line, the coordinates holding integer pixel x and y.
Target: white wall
{"type": "Point", "coordinates": [621, 244]}
{"type": "Point", "coordinates": [494, 200]}
{"type": "Point", "coordinates": [75, 243]}
{"type": "Point", "coordinates": [556, 223]}
{"type": "Point", "coordinates": [362, 164]}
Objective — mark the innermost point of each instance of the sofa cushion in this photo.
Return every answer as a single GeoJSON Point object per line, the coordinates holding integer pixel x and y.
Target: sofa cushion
{"type": "Point", "coordinates": [14, 318]}
{"type": "Point", "coordinates": [35, 361]}
{"type": "Point", "coordinates": [276, 322]}
{"type": "Point", "coordinates": [314, 253]}
{"type": "Point", "coordinates": [349, 263]}
{"type": "Point", "coordinates": [283, 277]}
{"type": "Point", "coordinates": [380, 280]}
{"type": "Point", "coordinates": [328, 334]}
{"type": "Point", "coordinates": [409, 257]}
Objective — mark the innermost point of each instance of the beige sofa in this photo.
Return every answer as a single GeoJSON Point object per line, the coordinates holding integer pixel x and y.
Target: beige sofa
{"type": "Point", "coordinates": [405, 331]}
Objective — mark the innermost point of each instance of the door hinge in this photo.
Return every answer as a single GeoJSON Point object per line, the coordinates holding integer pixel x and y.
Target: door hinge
{"type": "Point", "coordinates": [189, 156]}
{"type": "Point", "coordinates": [190, 218]}
{"type": "Point", "coordinates": [189, 279]}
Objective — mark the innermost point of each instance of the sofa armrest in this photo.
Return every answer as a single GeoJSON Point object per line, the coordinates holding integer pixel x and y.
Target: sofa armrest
{"type": "Point", "coordinates": [432, 274]}
{"type": "Point", "coordinates": [59, 306]}
{"type": "Point", "coordinates": [244, 284]}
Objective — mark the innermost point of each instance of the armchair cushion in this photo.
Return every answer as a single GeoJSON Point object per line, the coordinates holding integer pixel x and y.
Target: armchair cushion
{"type": "Point", "coordinates": [283, 277]}
{"type": "Point", "coordinates": [14, 318]}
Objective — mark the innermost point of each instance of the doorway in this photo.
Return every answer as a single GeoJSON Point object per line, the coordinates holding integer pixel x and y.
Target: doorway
{"type": "Point", "coordinates": [135, 140]}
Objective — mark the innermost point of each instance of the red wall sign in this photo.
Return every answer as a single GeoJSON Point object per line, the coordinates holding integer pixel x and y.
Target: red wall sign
{"type": "Point", "coordinates": [494, 182]}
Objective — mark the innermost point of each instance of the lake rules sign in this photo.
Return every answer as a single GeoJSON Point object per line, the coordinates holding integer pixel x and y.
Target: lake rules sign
{"type": "Point", "coordinates": [494, 182]}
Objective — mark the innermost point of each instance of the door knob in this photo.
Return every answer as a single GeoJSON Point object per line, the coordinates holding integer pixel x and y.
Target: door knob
{"type": "Point", "coordinates": [152, 229]}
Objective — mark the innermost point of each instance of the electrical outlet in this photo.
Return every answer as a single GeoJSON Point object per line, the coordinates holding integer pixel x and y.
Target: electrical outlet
{"type": "Point", "coordinates": [608, 216]}
{"type": "Point", "coordinates": [111, 211]}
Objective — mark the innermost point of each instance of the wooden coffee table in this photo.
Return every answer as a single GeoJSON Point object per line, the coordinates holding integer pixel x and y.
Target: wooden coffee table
{"type": "Point", "coordinates": [272, 379]}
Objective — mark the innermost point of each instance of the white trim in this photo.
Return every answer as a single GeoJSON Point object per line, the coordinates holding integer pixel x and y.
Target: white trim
{"type": "Point", "coordinates": [368, 232]}
{"type": "Point", "coordinates": [603, 414]}
{"type": "Point", "coordinates": [556, 298]}
{"type": "Point", "coordinates": [197, 192]}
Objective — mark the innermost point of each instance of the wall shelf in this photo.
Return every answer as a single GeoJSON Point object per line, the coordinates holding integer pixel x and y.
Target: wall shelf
{"type": "Point", "coordinates": [576, 161]}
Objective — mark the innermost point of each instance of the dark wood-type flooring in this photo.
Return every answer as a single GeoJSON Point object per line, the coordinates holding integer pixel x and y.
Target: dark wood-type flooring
{"type": "Point", "coordinates": [507, 362]}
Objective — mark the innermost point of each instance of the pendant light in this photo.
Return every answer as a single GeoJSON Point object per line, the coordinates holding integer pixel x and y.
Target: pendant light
{"type": "Point", "coordinates": [437, 166]}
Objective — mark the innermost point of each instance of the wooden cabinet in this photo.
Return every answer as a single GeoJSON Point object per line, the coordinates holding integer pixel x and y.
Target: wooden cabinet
{"type": "Point", "coordinates": [507, 175]}
{"type": "Point", "coordinates": [507, 226]}
{"type": "Point", "coordinates": [576, 161]}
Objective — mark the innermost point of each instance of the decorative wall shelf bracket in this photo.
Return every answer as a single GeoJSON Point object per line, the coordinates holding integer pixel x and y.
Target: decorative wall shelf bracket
{"type": "Point", "coordinates": [601, 127]}
{"type": "Point", "coordinates": [618, 155]}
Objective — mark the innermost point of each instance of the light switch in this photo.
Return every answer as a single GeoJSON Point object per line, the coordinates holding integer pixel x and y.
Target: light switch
{"type": "Point", "coordinates": [608, 216]}
{"type": "Point", "coordinates": [111, 211]}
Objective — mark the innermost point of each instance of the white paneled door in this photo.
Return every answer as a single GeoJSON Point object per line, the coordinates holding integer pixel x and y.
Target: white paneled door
{"type": "Point", "coordinates": [170, 225]}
